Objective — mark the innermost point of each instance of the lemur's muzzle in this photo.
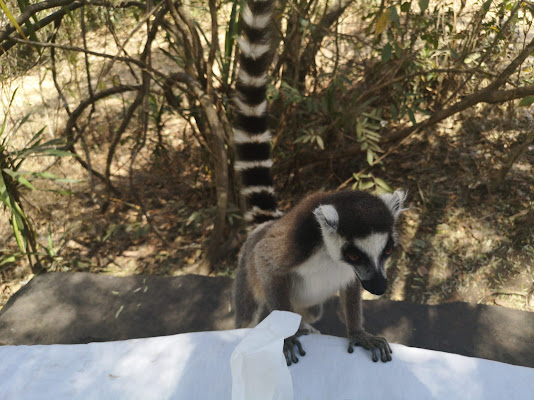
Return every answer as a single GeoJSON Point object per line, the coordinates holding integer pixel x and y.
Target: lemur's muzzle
{"type": "Point", "coordinates": [376, 285]}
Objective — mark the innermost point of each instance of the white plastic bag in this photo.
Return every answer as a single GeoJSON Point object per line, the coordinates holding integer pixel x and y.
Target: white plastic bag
{"type": "Point", "coordinates": [259, 369]}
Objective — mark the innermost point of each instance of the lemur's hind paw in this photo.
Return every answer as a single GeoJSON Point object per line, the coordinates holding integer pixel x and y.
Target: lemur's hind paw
{"type": "Point", "coordinates": [289, 347]}
{"type": "Point", "coordinates": [372, 343]}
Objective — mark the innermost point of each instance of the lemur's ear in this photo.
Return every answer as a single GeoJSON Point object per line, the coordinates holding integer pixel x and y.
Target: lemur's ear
{"type": "Point", "coordinates": [327, 217]}
{"type": "Point", "coordinates": [395, 202]}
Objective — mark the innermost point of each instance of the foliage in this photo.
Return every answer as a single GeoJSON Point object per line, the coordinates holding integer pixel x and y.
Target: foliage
{"type": "Point", "coordinates": [418, 61]}
{"type": "Point", "coordinates": [13, 179]}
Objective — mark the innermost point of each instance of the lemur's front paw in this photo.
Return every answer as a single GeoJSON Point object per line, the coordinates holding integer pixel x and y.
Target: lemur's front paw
{"type": "Point", "coordinates": [289, 347]}
{"type": "Point", "coordinates": [372, 343]}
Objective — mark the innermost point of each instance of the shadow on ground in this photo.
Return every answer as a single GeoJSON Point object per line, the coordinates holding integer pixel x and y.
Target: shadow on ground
{"type": "Point", "coordinates": [81, 308]}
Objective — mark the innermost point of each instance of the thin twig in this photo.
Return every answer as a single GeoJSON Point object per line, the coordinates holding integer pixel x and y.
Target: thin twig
{"type": "Point", "coordinates": [140, 64]}
{"type": "Point", "coordinates": [135, 29]}
{"type": "Point", "coordinates": [486, 55]}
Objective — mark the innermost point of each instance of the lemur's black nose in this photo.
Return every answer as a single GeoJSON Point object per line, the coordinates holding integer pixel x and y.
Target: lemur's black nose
{"type": "Point", "coordinates": [376, 285]}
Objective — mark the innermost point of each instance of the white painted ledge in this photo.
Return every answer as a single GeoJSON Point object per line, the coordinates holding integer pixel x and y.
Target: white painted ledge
{"type": "Point", "coordinates": [197, 366]}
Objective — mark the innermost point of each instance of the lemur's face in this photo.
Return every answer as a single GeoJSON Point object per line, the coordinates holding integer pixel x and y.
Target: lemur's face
{"type": "Point", "coordinates": [363, 239]}
{"type": "Point", "coordinates": [368, 257]}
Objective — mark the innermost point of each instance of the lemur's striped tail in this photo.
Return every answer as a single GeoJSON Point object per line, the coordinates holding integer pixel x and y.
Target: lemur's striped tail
{"type": "Point", "coordinates": [252, 136]}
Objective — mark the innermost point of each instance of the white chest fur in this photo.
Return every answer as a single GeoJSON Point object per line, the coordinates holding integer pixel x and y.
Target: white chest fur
{"type": "Point", "coordinates": [319, 278]}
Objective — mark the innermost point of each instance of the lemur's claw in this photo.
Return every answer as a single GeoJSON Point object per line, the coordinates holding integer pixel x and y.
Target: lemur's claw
{"type": "Point", "coordinates": [289, 347]}
{"type": "Point", "coordinates": [372, 343]}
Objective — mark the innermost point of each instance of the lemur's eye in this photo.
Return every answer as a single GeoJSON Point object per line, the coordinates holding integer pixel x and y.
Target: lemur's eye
{"type": "Point", "coordinates": [388, 250]}
{"type": "Point", "coordinates": [353, 257]}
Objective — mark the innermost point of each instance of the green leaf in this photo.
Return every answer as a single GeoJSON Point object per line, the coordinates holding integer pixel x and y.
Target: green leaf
{"type": "Point", "coordinates": [383, 185]}
{"type": "Point", "coordinates": [394, 113]}
{"type": "Point", "coordinates": [412, 116]}
{"type": "Point", "coordinates": [58, 153]}
{"type": "Point", "coordinates": [423, 5]}
{"type": "Point", "coordinates": [320, 142]}
{"type": "Point", "coordinates": [405, 7]}
{"type": "Point", "coordinates": [393, 15]}
{"type": "Point", "coordinates": [192, 218]}
{"type": "Point", "coordinates": [370, 157]}
{"type": "Point", "coordinates": [229, 42]}
{"type": "Point", "coordinates": [18, 227]}
{"type": "Point", "coordinates": [7, 259]}
{"type": "Point", "coordinates": [376, 148]}
{"type": "Point", "coordinates": [12, 19]}
{"type": "Point", "coordinates": [486, 5]}
{"type": "Point", "coordinates": [55, 178]}
{"type": "Point", "coordinates": [51, 251]}
{"type": "Point", "coordinates": [386, 53]}
{"type": "Point", "coordinates": [382, 23]}
{"type": "Point", "coordinates": [373, 139]}
{"type": "Point", "coordinates": [22, 5]}
{"type": "Point", "coordinates": [526, 101]}
{"type": "Point", "coordinates": [26, 182]}
{"type": "Point", "coordinates": [19, 177]}
{"type": "Point", "coordinates": [4, 122]}
{"type": "Point", "coordinates": [34, 140]}
{"type": "Point", "coordinates": [359, 128]}
{"type": "Point", "coordinates": [365, 185]}
{"type": "Point", "coordinates": [59, 191]}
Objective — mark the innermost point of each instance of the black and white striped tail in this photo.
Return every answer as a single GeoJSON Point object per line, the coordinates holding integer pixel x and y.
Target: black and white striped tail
{"type": "Point", "coordinates": [252, 136]}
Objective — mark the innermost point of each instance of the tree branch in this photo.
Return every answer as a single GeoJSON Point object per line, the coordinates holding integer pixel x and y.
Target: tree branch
{"type": "Point", "coordinates": [7, 42]}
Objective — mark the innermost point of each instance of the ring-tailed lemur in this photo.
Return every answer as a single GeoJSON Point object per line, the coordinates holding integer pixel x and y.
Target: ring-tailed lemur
{"type": "Point", "coordinates": [328, 243]}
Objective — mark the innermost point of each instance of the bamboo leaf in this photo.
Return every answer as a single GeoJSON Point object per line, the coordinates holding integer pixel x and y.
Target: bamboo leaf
{"type": "Point", "coordinates": [58, 153]}
{"type": "Point", "coordinates": [12, 19]}
{"type": "Point", "coordinates": [16, 224]}
{"type": "Point", "coordinates": [34, 140]}
{"type": "Point", "coordinates": [51, 251]}
{"type": "Point", "coordinates": [4, 194]}
{"type": "Point", "coordinates": [7, 259]}
{"type": "Point", "coordinates": [4, 122]}
{"type": "Point", "coordinates": [31, 30]}
{"type": "Point", "coordinates": [55, 178]}
{"type": "Point", "coordinates": [19, 177]}
{"type": "Point", "coordinates": [229, 42]}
